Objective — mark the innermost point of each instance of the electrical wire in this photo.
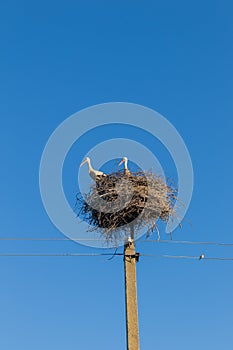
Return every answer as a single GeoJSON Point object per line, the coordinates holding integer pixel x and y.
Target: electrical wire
{"type": "Point", "coordinates": [187, 242]}
{"type": "Point", "coordinates": [58, 254]}
{"type": "Point", "coordinates": [201, 257]}
{"type": "Point", "coordinates": [101, 239]}
{"type": "Point", "coordinates": [47, 239]}
{"type": "Point", "coordinates": [171, 256]}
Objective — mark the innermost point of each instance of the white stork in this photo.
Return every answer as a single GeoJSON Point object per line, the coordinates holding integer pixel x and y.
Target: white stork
{"type": "Point", "coordinates": [125, 162]}
{"type": "Point", "coordinates": [106, 189]}
{"type": "Point", "coordinates": [94, 174]}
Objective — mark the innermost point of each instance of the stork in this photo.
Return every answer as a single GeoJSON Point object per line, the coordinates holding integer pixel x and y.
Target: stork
{"type": "Point", "coordinates": [125, 161]}
{"type": "Point", "coordinates": [94, 174]}
{"type": "Point", "coordinates": [137, 181]}
{"type": "Point", "coordinates": [98, 177]}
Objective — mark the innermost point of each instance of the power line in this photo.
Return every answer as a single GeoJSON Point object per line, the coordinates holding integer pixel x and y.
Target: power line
{"type": "Point", "coordinates": [58, 254]}
{"type": "Point", "coordinates": [185, 257]}
{"type": "Point", "coordinates": [171, 256]}
{"type": "Point", "coordinates": [219, 259]}
{"type": "Point", "coordinates": [101, 239]}
{"type": "Point", "coordinates": [47, 239]}
{"type": "Point", "coordinates": [187, 242]}
{"type": "Point", "coordinates": [201, 257]}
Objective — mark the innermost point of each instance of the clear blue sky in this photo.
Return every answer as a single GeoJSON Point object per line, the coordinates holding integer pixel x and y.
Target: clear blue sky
{"type": "Point", "coordinates": [59, 57]}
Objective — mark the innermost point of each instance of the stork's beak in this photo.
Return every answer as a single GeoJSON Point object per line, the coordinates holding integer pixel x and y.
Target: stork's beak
{"type": "Point", "coordinates": [83, 163]}
{"type": "Point", "coordinates": [121, 162]}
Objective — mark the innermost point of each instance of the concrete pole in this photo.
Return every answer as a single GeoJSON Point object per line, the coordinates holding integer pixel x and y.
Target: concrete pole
{"type": "Point", "coordinates": [131, 304]}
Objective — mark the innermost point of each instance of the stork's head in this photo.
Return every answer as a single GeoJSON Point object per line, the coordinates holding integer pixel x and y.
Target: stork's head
{"type": "Point", "coordinates": [123, 160]}
{"type": "Point", "coordinates": [86, 160]}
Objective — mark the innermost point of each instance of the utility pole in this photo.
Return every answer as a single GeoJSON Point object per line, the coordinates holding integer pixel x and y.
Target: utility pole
{"type": "Point", "coordinates": [131, 304]}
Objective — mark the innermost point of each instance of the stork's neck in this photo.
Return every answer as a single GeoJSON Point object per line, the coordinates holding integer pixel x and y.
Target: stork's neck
{"type": "Point", "coordinates": [126, 164]}
{"type": "Point", "coordinates": [89, 166]}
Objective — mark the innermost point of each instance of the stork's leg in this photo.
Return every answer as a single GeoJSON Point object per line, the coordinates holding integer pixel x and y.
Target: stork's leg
{"type": "Point", "coordinates": [158, 235]}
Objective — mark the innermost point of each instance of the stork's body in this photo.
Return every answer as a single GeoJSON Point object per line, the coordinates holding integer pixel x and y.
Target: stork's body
{"type": "Point", "coordinates": [125, 162]}
{"type": "Point", "coordinates": [105, 184]}
{"type": "Point", "coordinates": [94, 174]}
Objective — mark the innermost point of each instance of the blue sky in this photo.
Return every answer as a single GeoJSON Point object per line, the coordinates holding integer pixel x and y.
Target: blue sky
{"type": "Point", "coordinates": [59, 57]}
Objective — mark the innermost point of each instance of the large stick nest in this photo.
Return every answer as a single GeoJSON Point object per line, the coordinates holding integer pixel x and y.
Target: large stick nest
{"type": "Point", "coordinates": [119, 201]}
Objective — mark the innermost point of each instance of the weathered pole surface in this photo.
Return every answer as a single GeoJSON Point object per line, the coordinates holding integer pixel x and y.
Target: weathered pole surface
{"type": "Point", "coordinates": [131, 304]}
